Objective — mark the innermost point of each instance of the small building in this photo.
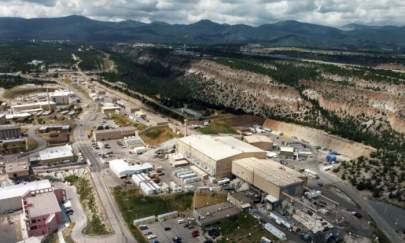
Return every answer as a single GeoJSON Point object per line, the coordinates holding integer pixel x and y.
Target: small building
{"type": "Point", "coordinates": [214, 154]}
{"type": "Point", "coordinates": [9, 132]}
{"type": "Point", "coordinates": [133, 142]}
{"type": "Point", "coordinates": [54, 128]}
{"type": "Point", "coordinates": [215, 213]}
{"type": "Point", "coordinates": [117, 133]}
{"type": "Point", "coordinates": [286, 152]}
{"type": "Point", "coordinates": [122, 169]}
{"type": "Point", "coordinates": [260, 141]}
{"type": "Point", "coordinates": [42, 213]}
{"type": "Point", "coordinates": [17, 169]}
{"type": "Point", "coordinates": [19, 117]}
{"type": "Point", "coordinates": [109, 108]}
{"type": "Point", "coordinates": [10, 196]}
{"type": "Point", "coordinates": [58, 154]}
{"type": "Point", "coordinates": [270, 177]}
{"type": "Point", "coordinates": [240, 200]}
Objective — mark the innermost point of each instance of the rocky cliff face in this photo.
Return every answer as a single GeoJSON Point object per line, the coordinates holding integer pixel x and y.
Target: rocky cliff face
{"type": "Point", "coordinates": [374, 106]}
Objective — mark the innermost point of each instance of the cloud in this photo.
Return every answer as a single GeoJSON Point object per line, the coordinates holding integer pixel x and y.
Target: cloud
{"type": "Point", "coordinates": [252, 12]}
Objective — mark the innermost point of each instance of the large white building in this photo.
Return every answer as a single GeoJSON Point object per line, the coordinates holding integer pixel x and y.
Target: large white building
{"type": "Point", "coordinates": [10, 196]}
{"type": "Point", "coordinates": [122, 169]}
{"type": "Point", "coordinates": [33, 107]}
{"type": "Point", "coordinates": [270, 176]}
{"type": "Point", "coordinates": [214, 154]}
{"type": "Point", "coordinates": [55, 155]}
{"type": "Point", "coordinates": [61, 97]}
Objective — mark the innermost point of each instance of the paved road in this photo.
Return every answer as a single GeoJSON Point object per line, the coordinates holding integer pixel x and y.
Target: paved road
{"type": "Point", "coordinates": [364, 205]}
{"type": "Point", "coordinates": [121, 231]}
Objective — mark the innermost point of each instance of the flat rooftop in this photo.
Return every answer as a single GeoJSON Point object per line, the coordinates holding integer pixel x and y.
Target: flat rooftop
{"type": "Point", "coordinates": [8, 127]}
{"type": "Point", "coordinates": [20, 189]}
{"type": "Point", "coordinates": [271, 170]}
{"type": "Point", "coordinates": [56, 152]}
{"type": "Point", "coordinates": [219, 147]}
{"type": "Point", "coordinates": [17, 167]}
{"type": "Point", "coordinates": [257, 138]}
{"type": "Point", "coordinates": [43, 204]}
{"type": "Point", "coordinates": [41, 103]}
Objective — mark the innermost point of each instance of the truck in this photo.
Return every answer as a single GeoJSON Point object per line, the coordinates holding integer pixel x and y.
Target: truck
{"type": "Point", "coordinates": [275, 231]}
{"type": "Point", "coordinates": [140, 150]}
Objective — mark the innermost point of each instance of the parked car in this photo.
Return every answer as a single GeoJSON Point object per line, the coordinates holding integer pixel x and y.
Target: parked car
{"type": "Point", "coordinates": [195, 233]}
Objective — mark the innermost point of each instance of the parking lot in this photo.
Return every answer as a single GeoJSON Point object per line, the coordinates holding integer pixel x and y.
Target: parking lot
{"type": "Point", "coordinates": [166, 231]}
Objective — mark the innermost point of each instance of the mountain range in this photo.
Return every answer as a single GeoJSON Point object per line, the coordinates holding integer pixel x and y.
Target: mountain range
{"type": "Point", "coordinates": [284, 33]}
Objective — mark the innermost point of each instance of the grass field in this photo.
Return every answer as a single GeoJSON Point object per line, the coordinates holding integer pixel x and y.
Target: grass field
{"type": "Point", "coordinates": [217, 127]}
{"type": "Point", "coordinates": [157, 135]}
{"type": "Point", "coordinates": [204, 199]}
{"type": "Point", "coordinates": [94, 224]}
{"type": "Point", "coordinates": [133, 205]}
{"type": "Point", "coordinates": [242, 228]}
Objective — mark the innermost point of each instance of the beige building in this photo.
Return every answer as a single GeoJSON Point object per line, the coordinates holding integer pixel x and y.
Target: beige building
{"type": "Point", "coordinates": [286, 152]}
{"type": "Point", "coordinates": [43, 105]}
{"type": "Point", "coordinates": [17, 169]}
{"type": "Point", "coordinates": [214, 154]}
{"type": "Point", "coordinates": [117, 133]}
{"type": "Point", "coordinates": [269, 176]}
{"type": "Point", "coordinates": [260, 141]}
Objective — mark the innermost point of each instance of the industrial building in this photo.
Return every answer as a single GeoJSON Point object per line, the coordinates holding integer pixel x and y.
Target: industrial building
{"type": "Point", "coordinates": [117, 133]}
{"type": "Point", "coordinates": [11, 146]}
{"type": "Point", "coordinates": [260, 141]}
{"type": "Point", "coordinates": [57, 154]}
{"type": "Point", "coordinates": [122, 169]}
{"type": "Point", "coordinates": [42, 213]}
{"type": "Point", "coordinates": [17, 169]}
{"type": "Point", "coordinates": [214, 154]}
{"type": "Point", "coordinates": [37, 106]}
{"type": "Point", "coordinates": [54, 128]}
{"type": "Point", "coordinates": [109, 108]}
{"type": "Point", "coordinates": [10, 196]}
{"type": "Point", "coordinates": [9, 132]}
{"type": "Point", "coordinates": [287, 152]}
{"type": "Point", "coordinates": [215, 213]}
{"type": "Point", "coordinates": [270, 177]}
{"type": "Point", "coordinates": [61, 97]}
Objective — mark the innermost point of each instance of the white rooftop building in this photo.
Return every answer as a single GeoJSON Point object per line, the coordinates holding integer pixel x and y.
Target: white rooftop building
{"type": "Point", "coordinates": [214, 154]}
{"type": "Point", "coordinates": [122, 169]}
{"type": "Point", "coordinates": [55, 154]}
{"type": "Point", "coordinates": [10, 196]}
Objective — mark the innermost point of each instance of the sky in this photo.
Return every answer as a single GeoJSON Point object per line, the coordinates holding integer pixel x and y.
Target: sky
{"type": "Point", "coordinates": [251, 12]}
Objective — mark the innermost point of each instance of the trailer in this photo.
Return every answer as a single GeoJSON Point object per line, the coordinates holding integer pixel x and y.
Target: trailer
{"type": "Point", "coordinates": [275, 231]}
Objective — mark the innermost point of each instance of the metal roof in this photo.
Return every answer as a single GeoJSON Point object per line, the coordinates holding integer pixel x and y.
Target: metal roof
{"type": "Point", "coordinates": [20, 189]}
{"type": "Point", "coordinates": [219, 147]}
{"type": "Point", "coordinates": [257, 138]}
{"type": "Point", "coordinates": [271, 170]}
{"type": "Point", "coordinates": [56, 152]}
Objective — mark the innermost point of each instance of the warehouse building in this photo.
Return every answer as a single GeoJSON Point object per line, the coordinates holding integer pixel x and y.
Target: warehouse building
{"type": "Point", "coordinates": [214, 154]}
{"type": "Point", "coordinates": [38, 106]}
{"type": "Point", "coordinates": [260, 141]}
{"type": "Point", "coordinates": [215, 213]}
{"type": "Point", "coordinates": [270, 177]}
{"type": "Point", "coordinates": [12, 146]}
{"type": "Point", "coordinates": [59, 154]}
{"type": "Point", "coordinates": [117, 133]}
{"type": "Point", "coordinates": [61, 97]}
{"type": "Point", "coordinates": [9, 132]}
{"type": "Point", "coordinates": [10, 196]}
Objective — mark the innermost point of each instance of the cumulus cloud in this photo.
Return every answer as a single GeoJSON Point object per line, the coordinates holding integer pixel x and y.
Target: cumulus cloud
{"type": "Point", "coordinates": [252, 12]}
